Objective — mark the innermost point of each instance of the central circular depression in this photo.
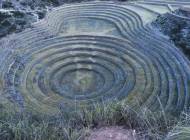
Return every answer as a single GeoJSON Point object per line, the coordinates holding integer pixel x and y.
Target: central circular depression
{"type": "Point", "coordinates": [80, 81]}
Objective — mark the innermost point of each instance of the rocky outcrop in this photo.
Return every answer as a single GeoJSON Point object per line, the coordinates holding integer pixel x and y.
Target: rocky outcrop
{"type": "Point", "coordinates": [176, 25]}
{"type": "Point", "coordinates": [15, 15]}
{"type": "Point", "coordinates": [14, 21]}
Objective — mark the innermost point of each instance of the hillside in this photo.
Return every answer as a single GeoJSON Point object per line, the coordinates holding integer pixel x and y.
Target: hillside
{"type": "Point", "coordinates": [95, 70]}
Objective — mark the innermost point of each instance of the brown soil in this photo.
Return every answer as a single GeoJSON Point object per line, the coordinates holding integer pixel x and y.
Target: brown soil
{"type": "Point", "coordinates": [113, 133]}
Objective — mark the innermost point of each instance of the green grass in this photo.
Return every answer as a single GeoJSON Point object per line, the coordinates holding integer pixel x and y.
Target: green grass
{"type": "Point", "coordinates": [76, 125]}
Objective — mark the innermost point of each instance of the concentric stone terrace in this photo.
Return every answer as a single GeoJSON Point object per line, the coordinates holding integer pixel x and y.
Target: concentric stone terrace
{"type": "Point", "coordinates": [92, 52]}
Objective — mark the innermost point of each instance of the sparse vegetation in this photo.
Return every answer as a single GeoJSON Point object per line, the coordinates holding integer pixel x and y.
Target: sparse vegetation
{"type": "Point", "coordinates": [77, 125]}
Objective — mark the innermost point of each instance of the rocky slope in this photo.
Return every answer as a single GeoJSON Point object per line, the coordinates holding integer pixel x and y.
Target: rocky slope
{"type": "Point", "coordinates": [177, 27]}
{"type": "Point", "coordinates": [16, 15]}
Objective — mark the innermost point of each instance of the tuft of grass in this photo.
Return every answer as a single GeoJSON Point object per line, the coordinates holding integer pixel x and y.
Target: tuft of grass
{"type": "Point", "coordinates": [181, 131]}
